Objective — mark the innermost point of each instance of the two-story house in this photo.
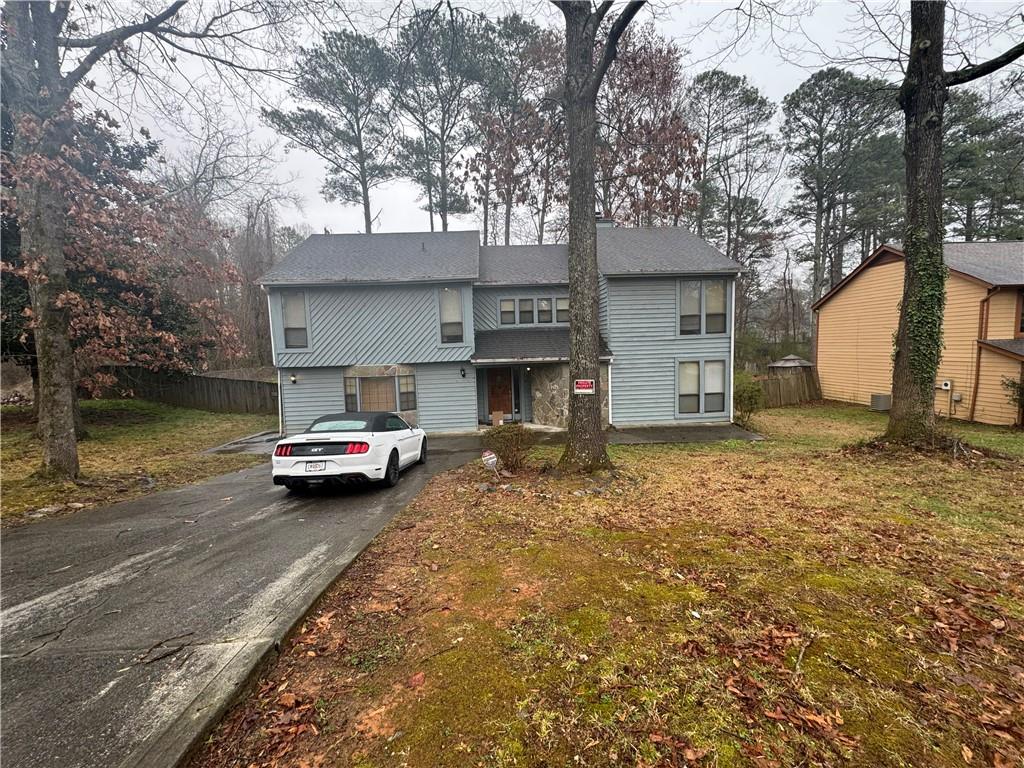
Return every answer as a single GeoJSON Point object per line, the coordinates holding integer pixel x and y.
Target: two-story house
{"type": "Point", "coordinates": [451, 333]}
{"type": "Point", "coordinates": [982, 330]}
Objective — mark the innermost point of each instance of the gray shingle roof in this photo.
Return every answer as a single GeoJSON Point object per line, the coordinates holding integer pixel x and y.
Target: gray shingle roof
{"type": "Point", "coordinates": [657, 250]}
{"type": "Point", "coordinates": [1013, 346]}
{"type": "Point", "coordinates": [401, 257]}
{"type": "Point", "coordinates": [524, 264]}
{"type": "Point", "coordinates": [526, 344]}
{"type": "Point", "coordinates": [437, 256]}
{"type": "Point", "coordinates": [995, 263]}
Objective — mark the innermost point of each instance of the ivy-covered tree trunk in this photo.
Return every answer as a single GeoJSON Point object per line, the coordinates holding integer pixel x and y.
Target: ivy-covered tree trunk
{"type": "Point", "coordinates": [918, 342]}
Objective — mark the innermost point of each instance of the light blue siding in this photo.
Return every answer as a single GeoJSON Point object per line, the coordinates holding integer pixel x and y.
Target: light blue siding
{"type": "Point", "coordinates": [602, 305]}
{"type": "Point", "coordinates": [642, 333]}
{"type": "Point", "coordinates": [316, 391]}
{"type": "Point", "coordinates": [445, 400]}
{"type": "Point", "coordinates": [373, 325]}
{"type": "Point", "coordinates": [486, 299]}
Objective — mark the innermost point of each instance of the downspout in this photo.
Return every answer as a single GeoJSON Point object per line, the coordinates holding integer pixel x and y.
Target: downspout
{"type": "Point", "coordinates": [273, 356]}
{"type": "Point", "coordinates": [732, 345]}
{"type": "Point", "coordinates": [611, 419]}
{"type": "Point", "coordinates": [983, 310]}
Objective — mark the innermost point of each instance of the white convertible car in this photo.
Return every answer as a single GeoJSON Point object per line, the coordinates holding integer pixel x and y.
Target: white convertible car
{"type": "Point", "coordinates": [341, 447]}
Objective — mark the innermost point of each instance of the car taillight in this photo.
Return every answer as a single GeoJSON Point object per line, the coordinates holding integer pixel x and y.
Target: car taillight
{"type": "Point", "coordinates": [357, 448]}
{"type": "Point", "coordinates": [283, 450]}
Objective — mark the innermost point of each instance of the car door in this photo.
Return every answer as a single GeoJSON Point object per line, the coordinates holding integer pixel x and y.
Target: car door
{"type": "Point", "coordinates": [407, 440]}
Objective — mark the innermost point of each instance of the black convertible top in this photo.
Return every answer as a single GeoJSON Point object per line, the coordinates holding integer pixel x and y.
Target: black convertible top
{"type": "Point", "coordinates": [374, 421]}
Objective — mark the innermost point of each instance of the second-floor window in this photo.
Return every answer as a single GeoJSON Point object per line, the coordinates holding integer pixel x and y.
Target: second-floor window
{"type": "Point", "coordinates": [533, 310]}
{"type": "Point", "coordinates": [451, 315]}
{"type": "Point", "coordinates": [702, 307]}
{"type": "Point", "coordinates": [293, 311]}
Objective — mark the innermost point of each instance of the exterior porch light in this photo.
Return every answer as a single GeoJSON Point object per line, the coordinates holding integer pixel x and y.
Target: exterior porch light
{"type": "Point", "coordinates": [462, 372]}
{"type": "Point", "coordinates": [293, 378]}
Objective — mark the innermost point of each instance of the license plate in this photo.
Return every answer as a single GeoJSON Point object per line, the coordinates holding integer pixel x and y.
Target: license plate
{"type": "Point", "coordinates": [315, 466]}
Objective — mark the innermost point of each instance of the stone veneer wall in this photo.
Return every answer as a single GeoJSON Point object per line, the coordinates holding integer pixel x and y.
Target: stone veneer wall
{"type": "Point", "coordinates": [550, 387]}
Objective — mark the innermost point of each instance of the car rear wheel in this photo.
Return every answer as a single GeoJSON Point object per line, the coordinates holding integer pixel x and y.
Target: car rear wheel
{"type": "Point", "coordinates": [391, 473]}
{"type": "Point", "coordinates": [423, 452]}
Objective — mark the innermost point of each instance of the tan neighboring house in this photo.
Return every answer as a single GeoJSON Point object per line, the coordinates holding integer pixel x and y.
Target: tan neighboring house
{"type": "Point", "coordinates": [983, 330]}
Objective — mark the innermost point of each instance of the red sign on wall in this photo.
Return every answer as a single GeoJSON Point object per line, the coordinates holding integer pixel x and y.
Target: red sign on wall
{"type": "Point", "coordinates": [583, 387]}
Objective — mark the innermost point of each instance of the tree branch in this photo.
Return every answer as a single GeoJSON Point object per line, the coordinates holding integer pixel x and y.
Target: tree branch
{"type": "Point", "coordinates": [611, 44]}
{"type": "Point", "coordinates": [103, 43]}
{"type": "Point", "coordinates": [967, 74]}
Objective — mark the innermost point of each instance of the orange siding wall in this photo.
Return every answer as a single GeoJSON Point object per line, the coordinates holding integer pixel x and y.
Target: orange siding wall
{"type": "Point", "coordinates": [855, 332]}
{"type": "Point", "coordinates": [855, 328]}
{"type": "Point", "coordinates": [959, 338]}
{"type": "Point", "coordinates": [1002, 315]}
{"type": "Point", "coordinates": [993, 403]}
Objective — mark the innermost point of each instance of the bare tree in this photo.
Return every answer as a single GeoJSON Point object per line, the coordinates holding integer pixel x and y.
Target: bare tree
{"type": "Point", "coordinates": [585, 446]}
{"type": "Point", "coordinates": [50, 53]}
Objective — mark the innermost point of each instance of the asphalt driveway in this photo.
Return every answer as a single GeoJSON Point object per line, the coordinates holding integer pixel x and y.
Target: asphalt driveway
{"type": "Point", "coordinates": [126, 629]}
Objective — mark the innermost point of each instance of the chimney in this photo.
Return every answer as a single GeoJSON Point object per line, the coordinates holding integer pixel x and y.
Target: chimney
{"type": "Point", "coordinates": [603, 221]}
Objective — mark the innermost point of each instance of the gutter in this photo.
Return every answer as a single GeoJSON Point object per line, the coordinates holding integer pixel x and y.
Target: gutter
{"type": "Point", "coordinates": [527, 360]}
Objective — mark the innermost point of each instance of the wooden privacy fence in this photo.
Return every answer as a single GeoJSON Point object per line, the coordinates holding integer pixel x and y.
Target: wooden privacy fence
{"type": "Point", "coordinates": [791, 388]}
{"type": "Point", "coordinates": [203, 392]}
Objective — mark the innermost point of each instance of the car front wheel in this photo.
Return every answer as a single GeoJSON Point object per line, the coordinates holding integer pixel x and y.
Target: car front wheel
{"type": "Point", "coordinates": [391, 473]}
{"type": "Point", "coordinates": [423, 452]}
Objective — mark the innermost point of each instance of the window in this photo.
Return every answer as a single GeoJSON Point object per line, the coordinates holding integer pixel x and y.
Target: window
{"type": "Point", "coordinates": [377, 393]}
{"type": "Point", "coordinates": [562, 310]}
{"type": "Point", "coordinates": [407, 393]}
{"type": "Point", "coordinates": [293, 311]}
{"type": "Point", "coordinates": [526, 311]}
{"type": "Point", "coordinates": [703, 307]}
{"type": "Point", "coordinates": [714, 386]}
{"type": "Point", "coordinates": [380, 393]}
{"type": "Point", "coordinates": [543, 310]}
{"type": "Point", "coordinates": [714, 306]}
{"type": "Point", "coordinates": [351, 394]}
{"type": "Point", "coordinates": [689, 309]}
{"type": "Point", "coordinates": [702, 386]}
{"type": "Point", "coordinates": [1020, 314]}
{"type": "Point", "coordinates": [508, 311]}
{"type": "Point", "coordinates": [395, 424]}
{"type": "Point", "coordinates": [689, 387]}
{"type": "Point", "coordinates": [451, 316]}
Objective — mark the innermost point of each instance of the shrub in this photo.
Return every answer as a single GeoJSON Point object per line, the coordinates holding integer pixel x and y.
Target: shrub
{"type": "Point", "coordinates": [747, 397]}
{"type": "Point", "coordinates": [1014, 392]}
{"type": "Point", "coordinates": [511, 443]}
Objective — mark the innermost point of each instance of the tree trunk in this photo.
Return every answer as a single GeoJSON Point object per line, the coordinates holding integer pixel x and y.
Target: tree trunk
{"type": "Point", "coordinates": [508, 214]}
{"type": "Point", "coordinates": [585, 444]}
{"type": "Point", "coordinates": [918, 343]}
{"type": "Point", "coordinates": [41, 217]}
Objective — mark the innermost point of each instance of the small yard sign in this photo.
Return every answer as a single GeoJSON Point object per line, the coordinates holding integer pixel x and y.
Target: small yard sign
{"type": "Point", "coordinates": [489, 459]}
{"type": "Point", "coordinates": [583, 387]}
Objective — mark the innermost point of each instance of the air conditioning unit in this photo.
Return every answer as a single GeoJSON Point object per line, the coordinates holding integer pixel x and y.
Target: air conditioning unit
{"type": "Point", "coordinates": [881, 402]}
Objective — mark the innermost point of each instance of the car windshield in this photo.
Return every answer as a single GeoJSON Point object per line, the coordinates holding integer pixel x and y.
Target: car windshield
{"type": "Point", "coordinates": [340, 425]}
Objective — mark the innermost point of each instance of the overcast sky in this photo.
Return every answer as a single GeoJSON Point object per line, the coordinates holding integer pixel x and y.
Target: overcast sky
{"type": "Point", "coordinates": [776, 72]}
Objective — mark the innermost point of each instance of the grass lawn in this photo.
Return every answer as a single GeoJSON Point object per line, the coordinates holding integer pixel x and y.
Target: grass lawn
{"type": "Point", "coordinates": [134, 447]}
{"type": "Point", "coordinates": [791, 602]}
